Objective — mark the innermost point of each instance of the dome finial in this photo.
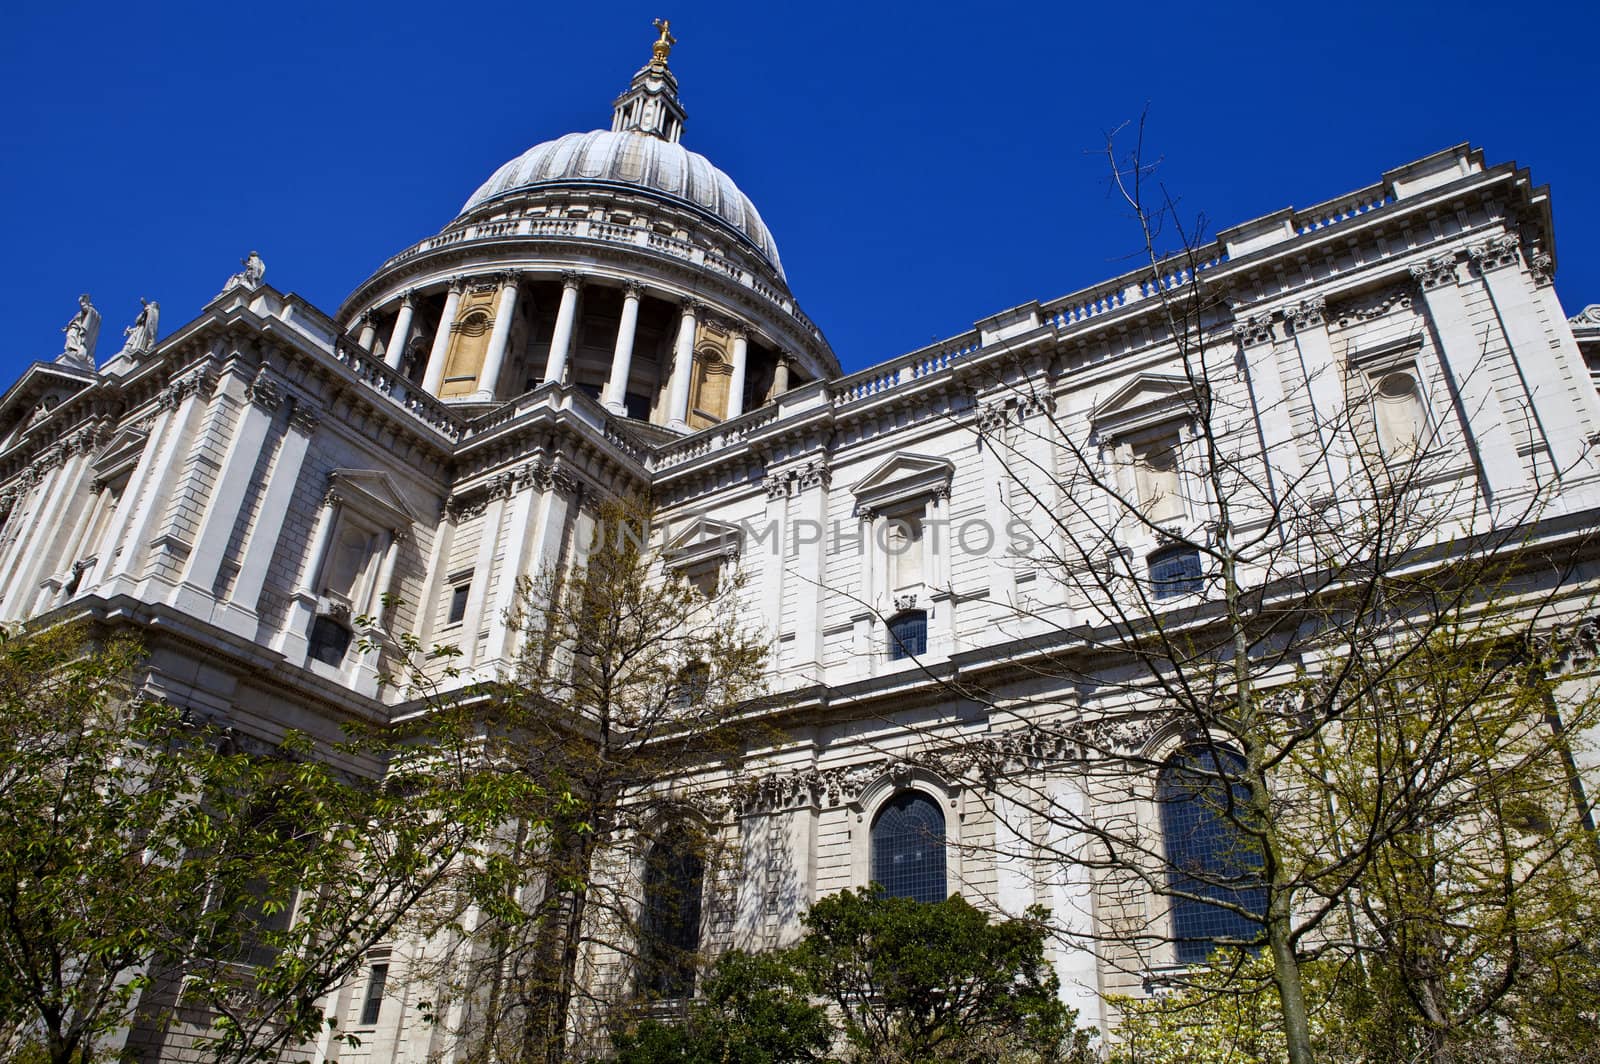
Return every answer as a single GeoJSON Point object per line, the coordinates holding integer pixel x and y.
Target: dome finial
{"type": "Point", "coordinates": [650, 105]}
{"type": "Point", "coordinates": [663, 45]}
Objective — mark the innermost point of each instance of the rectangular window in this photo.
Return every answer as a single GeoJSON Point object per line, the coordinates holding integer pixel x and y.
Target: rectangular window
{"type": "Point", "coordinates": [458, 603]}
{"type": "Point", "coordinates": [1175, 572]}
{"type": "Point", "coordinates": [372, 1004]}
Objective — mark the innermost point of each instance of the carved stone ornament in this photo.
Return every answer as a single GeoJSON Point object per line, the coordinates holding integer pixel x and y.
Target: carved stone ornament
{"type": "Point", "coordinates": [1436, 272]}
{"type": "Point", "coordinates": [1543, 267]}
{"type": "Point", "coordinates": [907, 601]}
{"type": "Point", "coordinates": [992, 417]}
{"type": "Point", "coordinates": [1497, 253]}
{"type": "Point", "coordinates": [1109, 736]}
{"type": "Point", "coordinates": [263, 390]}
{"type": "Point", "coordinates": [305, 418]}
{"type": "Point", "coordinates": [777, 485]}
{"type": "Point", "coordinates": [1589, 315]}
{"type": "Point", "coordinates": [1307, 314]}
{"type": "Point", "coordinates": [1253, 330]}
{"type": "Point", "coordinates": [814, 473]}
{"type": "Point", "coordinates": [804, 788]}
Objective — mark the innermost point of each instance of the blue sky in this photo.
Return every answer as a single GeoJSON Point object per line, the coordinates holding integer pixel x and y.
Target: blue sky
{"type": "Point", "coordinates": [920, 167]}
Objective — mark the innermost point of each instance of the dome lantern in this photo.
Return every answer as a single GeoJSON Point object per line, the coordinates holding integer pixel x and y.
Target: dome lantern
{"type": "Point", "coordinates": [650, 105]}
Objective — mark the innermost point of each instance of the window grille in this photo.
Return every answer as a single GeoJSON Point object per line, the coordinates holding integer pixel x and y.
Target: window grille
{"type": "Point", "coordinates": [908, 848]}
{"type": "Point", "coordinates": [1175, 572]}
{"type": "Point", "coordinates": [908, 635]}
{"type": "Point", "coordinates": [1207, 853]}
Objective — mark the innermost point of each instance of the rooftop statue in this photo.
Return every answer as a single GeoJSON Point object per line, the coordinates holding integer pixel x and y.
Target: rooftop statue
{"type": "Point", "coordinates": [141, 335]}
{"type": "Point", "coordinates": [663, 46]}
{"type": "Point", "coordinates": [254, 270]}
{"type": "Point", "coordinates": [82, 332]}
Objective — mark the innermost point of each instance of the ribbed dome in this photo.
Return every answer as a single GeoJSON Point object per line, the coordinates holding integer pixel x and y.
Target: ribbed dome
{"type": "Point", "coordinates": [638, 159]}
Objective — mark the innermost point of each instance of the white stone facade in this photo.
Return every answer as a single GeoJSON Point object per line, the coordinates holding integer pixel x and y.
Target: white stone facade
{"type": "Point", "coordinates": [609, 313]}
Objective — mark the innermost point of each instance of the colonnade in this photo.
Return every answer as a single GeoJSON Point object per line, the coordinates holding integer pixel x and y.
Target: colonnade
{"type": "Point", "coordinates": [614, 392]}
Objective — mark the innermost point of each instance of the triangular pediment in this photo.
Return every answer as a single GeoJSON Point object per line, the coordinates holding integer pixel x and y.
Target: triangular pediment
{"type": "Point", "coordinates": [903, 476]}
{"type": "Point", "coordinates": [374, 493]}
{"type": "Point", "coordinates": [701, 537]}
{"type": "Point", "coordinates": [42, 383]}
{"type": "Point", "coordinates": [120, 452]}
{"type": "Point", "coordinates": [1148, 399]}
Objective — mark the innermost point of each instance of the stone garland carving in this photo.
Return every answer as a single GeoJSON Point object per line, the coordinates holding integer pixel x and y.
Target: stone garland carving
{"type": "Point", "coordinates": [1373, 306]}
{"type": "Point", "coordinates": [1436, 272]}
{"type": "Point", "coordinates": [197, 382]}
{"type": "Point", "coordinates": [1254, 329]}
{"type": "Point", "coordinates": [1493, 254]}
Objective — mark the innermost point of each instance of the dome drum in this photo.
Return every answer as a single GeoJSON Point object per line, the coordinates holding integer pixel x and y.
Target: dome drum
{"type": "Point", "coordinates": [480, 337]}
{"type": "Point", "coordinates": [616, 261]}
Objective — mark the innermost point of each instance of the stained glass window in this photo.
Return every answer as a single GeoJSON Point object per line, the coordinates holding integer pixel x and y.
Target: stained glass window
{"type": "Point", "coordinates": [908, 848]}
{"type": "Point", "coordinates": [1208, 855]}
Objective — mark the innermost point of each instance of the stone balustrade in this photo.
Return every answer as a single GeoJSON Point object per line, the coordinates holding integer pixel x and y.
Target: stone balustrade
{"type": "Point", "coordinates": [611, 232]}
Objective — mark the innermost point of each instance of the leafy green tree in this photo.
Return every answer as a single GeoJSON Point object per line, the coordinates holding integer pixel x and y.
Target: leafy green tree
{"type": "Point", "coordinates": [160, 874]}
{"type": "Point", "coordinates": [627, 676]}
{"type": "Point", "coordinates": [752, 1011]}
{"type": "Point", "coordinates": [914, 981]}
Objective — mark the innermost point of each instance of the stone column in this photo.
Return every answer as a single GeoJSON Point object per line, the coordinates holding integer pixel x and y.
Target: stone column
{"type": "Point", "coordinates": [682, 368]}
{"type": "Point", "coordinates": [1325, 385]}
{"type": "Point", "coordinates": [494, 361]}
{"type": "Point", "coordinates": [780, 376]}
{"type": "Point", "coordinates": [478, 598]}
{"type": "Point", "coordinates": [938, 540]}
{"type": "Point", "coordinates": [262, 540]}
{"type": "Point", "coordinates": [616, 391]}
{"type": "Point", "coordinates": [1482, 419]}
{"type": "Point", "coordinates": [771, 541]}
{"type": "Point", "coordinates": [1275, 430]}
{"type": "Point", "coordinates": [809, 533]}
{"type": "Point", "coordinates": [61, 486]}
{"type": "Point", "coordinates": [106, 549]}
{"type": "Point", "coordinates": [741, 356]}
{"type": "Point", "coordinates": [402, 332]}
{"type": "Point", "coordinates": [194, 594]}
{"type": "Point", "coordinates": [369, 331]}
{"type": "Point", "coordinates": [291, 638]}
{"type": "Point", "coordinates": [368, 670]}
{"type": "Point", "coordinates": [521, 532]}
{"type": "Point", "coordinates": [190, 395]}
{"type": "Point", "coordinates": [433, 376]}
{"type": "Point", "coordinates": [555, 366]}
{"type": "Point", "coordinates": [1556, 405]}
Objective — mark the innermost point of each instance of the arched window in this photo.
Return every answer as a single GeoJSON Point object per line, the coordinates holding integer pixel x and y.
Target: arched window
{"type": "Point", "coordinates": [1207, 855]}
{"type": "Point", "coordinates": [908, 848]}
{"type": "Point", "coordinates": [669, 938]}
{"type": "Point", "coordinates": [908, 635]}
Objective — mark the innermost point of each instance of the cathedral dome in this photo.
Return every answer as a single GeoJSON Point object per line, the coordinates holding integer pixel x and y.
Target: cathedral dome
{"type": "Point", "coordinates": [635, 159]}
